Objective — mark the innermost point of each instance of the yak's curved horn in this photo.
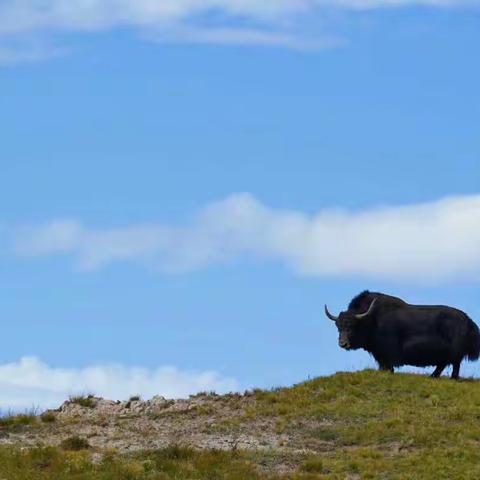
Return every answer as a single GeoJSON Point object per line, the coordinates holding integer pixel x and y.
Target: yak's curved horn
{"type": "Point", "coordinates": [368, 312]}
{"type": "Point", "coordinates": [329, 315]}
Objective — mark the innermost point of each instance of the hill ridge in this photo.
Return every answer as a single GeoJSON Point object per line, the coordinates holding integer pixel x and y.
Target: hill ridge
{"type": "Point", "coordinates": [348, 425]}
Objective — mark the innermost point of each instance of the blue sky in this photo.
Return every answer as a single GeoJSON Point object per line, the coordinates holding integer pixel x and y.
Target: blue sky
{"type": "Point", "coordinates": [188, 189]}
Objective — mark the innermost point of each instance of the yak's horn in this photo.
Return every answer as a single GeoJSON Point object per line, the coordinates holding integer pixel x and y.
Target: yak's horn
{"type": "Point", "coordinates": [368, 312]}
{"type": "Point", "coordinates": [329, 315]}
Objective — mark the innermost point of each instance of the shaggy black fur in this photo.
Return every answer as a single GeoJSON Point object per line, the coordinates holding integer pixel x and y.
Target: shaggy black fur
{"type": "Point", "coordinates": [362, 301]}
{"type": "Point", "coordinates": [397, 333]}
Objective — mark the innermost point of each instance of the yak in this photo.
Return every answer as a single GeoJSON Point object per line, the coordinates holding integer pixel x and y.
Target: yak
{"type": "Point", "coordinates": [397, 333]}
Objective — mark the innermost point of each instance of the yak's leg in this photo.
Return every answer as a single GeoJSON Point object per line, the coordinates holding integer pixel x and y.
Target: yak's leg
{"type": "Point", "coordinates": [456, 370]}
{"type": "Point", "coordinates": [386, 368]}
{"type": "Point", "coordinates": [438, 370]}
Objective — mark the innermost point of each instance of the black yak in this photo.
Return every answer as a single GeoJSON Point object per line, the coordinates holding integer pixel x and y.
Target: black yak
{"type": "Point", "coordinates": [396, 333]}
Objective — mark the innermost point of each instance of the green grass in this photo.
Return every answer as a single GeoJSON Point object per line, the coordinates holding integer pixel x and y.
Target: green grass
{"type": "Point", "coordinates": [371, 408]}
{"type": "Point", "coordinates": [364, 425]}
{"type": "Point", "coordinates": [173, 463]}
{"type": "Point", "coordinates": [380, 425]}
{"type": "Point", "coordinates": [176, 463]}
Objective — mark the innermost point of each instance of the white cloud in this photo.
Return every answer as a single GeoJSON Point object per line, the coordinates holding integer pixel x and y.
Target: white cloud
{"type": "Point", "coordinates": [32, 383]}
{"type": "Point", "coordinates": [28, 15]}
{"type": "Point", "coordinates": [243, 36]}
{"type": "Point", "coordinates": [268, 22]}
{"type": "Point", "coordinates": [431, 242]}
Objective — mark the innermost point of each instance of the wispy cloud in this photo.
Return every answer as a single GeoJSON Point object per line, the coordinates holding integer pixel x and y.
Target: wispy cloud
{"type": "Point", "coordinates": [26, 50]}
{"type": "Point", "coordinates": [31, 382]}
{"type": "Point", "coordinates": [430, 242]}
{"type": "Point", "coordinates": [28, 15]}
{"type": "Point", "coordinates": [267, 22]}
{"type": "Point", "coordinates": [243, 36]}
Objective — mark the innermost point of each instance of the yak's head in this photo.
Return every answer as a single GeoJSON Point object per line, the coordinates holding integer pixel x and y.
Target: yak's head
{"type": "Point", "coordinates": [353, 328]}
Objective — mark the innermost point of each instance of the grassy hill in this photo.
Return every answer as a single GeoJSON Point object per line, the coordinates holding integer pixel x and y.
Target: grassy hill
{"type": "Point", "coordinates": [360, 425]}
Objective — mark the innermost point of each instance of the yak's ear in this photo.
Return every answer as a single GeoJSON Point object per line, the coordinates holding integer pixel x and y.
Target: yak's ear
{"type": "Point", "coordinates": [333, 318]}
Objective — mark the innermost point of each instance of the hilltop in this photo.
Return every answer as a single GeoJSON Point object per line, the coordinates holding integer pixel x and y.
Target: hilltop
{"type": "Point", "coordinates": [359, 425]}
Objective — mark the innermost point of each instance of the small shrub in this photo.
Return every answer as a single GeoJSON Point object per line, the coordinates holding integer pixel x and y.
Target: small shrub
{"type": "Point", "coordinates": [48, 417]}
{"type": "Point", "coordinates": [132, 470]}
{"type": "Point", "coordinates": [77, 462]}
{"type": "Point", "coordinates": [42, 457]}
{"type": "Point", "coordinates": [173, 452]}
{"type": "Point", "coordinates": [87, 401]}
{"type": "Point", "coordinates": [134, 398]}
{"type": "Point", "coordinates": [354, 467]}
{"type": "Point", "coordinates": [204, 410]}
{"type": "Point", "coordinates": [75, 443]}
{"type": "Point", "coordinates": [15, 422]}
{"type": "Point", "coordinates": [325, 434]}
{"type": "Point", "coordinates": [148, 466]}
{"type": "Point", "coordinates": [313, 465]}
{"type": "Point", "coordinates": [25, 419]}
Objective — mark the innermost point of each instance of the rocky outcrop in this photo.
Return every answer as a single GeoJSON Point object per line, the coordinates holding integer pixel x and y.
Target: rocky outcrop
{"type": "Point", "coordinates": [202, 421]}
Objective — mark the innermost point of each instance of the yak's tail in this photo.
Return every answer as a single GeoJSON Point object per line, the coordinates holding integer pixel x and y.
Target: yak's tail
{"type": "Point", "coordinates": [473, 345]}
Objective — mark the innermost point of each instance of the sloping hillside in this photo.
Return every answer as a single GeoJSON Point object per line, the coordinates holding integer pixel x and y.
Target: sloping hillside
{"type": "Point", "coordinates": [351, 425]}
